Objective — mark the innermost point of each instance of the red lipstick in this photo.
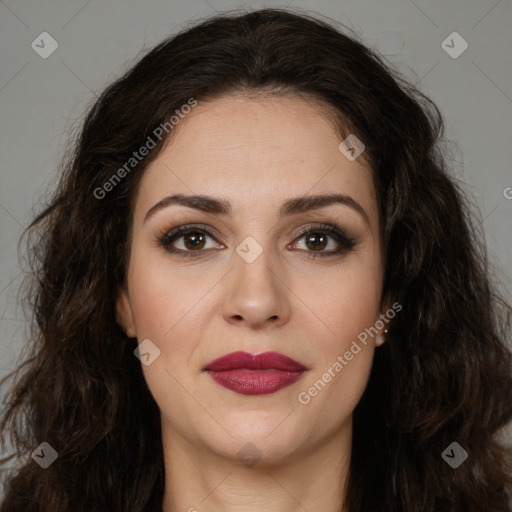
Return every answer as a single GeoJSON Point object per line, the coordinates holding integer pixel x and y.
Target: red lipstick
{"type": "Point", "coordinates": [257, 374]}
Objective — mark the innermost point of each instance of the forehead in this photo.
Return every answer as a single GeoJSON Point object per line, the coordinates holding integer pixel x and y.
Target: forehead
{"type": "Point", "coordinates": [250, 150]}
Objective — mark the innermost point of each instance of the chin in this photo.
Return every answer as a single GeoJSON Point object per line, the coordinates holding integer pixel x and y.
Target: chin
{"type": "Point", "coordinates": [267, 441]}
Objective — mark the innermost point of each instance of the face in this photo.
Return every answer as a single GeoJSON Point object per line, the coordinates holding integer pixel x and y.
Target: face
{"type": "Point", "coordinates": [259, 266]}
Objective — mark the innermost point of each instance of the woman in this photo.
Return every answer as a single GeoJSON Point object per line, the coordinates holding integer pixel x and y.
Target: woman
{"type": "Point", "coordinates": [257, 288]}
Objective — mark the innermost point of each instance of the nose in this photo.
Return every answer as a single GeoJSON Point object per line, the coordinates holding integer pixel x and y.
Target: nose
{"type": "Point", "coordinates": [257, 294]}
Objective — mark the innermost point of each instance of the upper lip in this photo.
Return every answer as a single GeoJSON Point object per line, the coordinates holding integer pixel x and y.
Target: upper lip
{"type": "Point", "coordinates": [263, 361]}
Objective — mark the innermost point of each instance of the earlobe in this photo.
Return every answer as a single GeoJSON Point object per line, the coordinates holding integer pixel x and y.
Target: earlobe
{"type": "Point", "coordinates": [124, 315]}
{"type": "Point", "coordinates": [380, 339]}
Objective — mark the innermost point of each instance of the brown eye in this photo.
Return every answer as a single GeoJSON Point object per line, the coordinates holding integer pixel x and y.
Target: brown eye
{"type": "Point", "coordinates": [326, 236]}
{"type": "Point", "coordinates": [194, 240]}
{"type": "Point", "coordinates": [189, 241]}
{"type": "Point", "coordinates": [316, 241]}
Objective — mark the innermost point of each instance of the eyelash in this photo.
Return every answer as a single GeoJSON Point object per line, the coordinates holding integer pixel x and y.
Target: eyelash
{"type": "Point", "coordinates": [345, 242]}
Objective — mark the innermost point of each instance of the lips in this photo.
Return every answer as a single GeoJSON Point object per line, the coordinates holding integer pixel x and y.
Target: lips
{"type": "Point", "coordinates": [264, 361]}
{"type": "Point", "coordinates": [257, 374]}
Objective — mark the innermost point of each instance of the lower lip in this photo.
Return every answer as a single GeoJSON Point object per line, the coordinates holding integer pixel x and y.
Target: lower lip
{"type": "Point", "coordinates": [255, 382]}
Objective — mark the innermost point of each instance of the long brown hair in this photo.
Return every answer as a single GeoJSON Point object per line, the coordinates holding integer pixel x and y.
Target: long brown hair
{"type": "Point", "coordinates": [443, 376]}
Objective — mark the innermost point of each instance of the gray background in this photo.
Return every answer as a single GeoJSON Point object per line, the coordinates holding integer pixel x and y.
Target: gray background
{"type": "Point", "coordinates": [41, 98]}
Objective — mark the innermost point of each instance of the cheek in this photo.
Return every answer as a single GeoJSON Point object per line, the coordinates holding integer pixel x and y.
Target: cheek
{"type": "Point", "coordinates": [160, 296]}
{"type": "Point", "coordinates": [347, 300]}
{"type": "Point", "coordinates": [170, 308]}
{"type": "Point", "coordinates": [344, 361]}
{"type": "Point", "coordinates": [167, 310]}
{"type": "Point", "coordinates": [348, 306]}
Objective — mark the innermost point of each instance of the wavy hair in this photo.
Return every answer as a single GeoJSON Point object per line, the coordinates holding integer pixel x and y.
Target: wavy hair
{"type": "Point", "coordinates": [443, 376]}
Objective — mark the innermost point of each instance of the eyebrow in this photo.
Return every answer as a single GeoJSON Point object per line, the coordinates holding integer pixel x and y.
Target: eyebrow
{"type": "Point", "coordinates": [217, 206]}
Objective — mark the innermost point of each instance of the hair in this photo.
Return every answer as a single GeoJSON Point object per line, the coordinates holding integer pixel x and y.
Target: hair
{"type": "Point", "coordinates": [443, 376]}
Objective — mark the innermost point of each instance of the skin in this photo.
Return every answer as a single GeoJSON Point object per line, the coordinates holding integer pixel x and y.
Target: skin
{"type": "Point", "coordinates": [255, 153]}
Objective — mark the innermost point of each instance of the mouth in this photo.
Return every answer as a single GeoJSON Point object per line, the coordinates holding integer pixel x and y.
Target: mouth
{"type": "Point", "coordinates": [257, 374]}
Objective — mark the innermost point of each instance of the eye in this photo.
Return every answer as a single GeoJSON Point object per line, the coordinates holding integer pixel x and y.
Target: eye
{"type": "Point", "coordinates": [191, 240]}
{"type": "Point", "coordinates": [317, 239]}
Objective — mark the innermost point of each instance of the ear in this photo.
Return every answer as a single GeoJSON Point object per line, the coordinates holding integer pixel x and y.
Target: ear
{"type": "Point", "coordinates": [385, 306]}
{"type": "Point", "coordinates": [380, 339]}
{"type": "Point", "coordinates": [124, 315]}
